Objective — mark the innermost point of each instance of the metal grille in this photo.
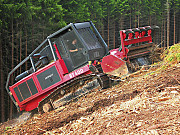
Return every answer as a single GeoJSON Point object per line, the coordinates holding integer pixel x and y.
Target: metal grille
{"type": "Point", "coordinates": [18, 94]}
{"type": "Point", "coordinates": [95, 49]}
{"type": "Point", "coordinates": [89, 37]}
{"type": "Point", "coordinates": [32, 86]}
{"type": "Point", "coordinates": [24, 90]}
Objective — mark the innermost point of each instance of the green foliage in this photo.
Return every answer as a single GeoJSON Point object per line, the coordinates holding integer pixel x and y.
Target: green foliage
{"type": "Point", "coordinates": [7, 128]}
{"type": "Point", "coordinates": [120, 7]}
{"type": "Point", "coordinates": [75, 10]}
{"type": "Point", "coordinates": [173, 55]}
{"type": "Point", "coordinates": [94, 10]}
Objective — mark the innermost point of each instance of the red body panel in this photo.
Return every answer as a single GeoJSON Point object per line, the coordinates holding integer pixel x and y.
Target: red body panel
{"type": "Point", "coordinates": [113, 61]}
{"type": "Point", "coordinates": [114, 64]}
{"type": "Point", "coordinates": [33, 101]}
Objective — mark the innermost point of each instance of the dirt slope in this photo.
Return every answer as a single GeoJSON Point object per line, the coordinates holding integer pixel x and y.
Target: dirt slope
{"type": "Point", "coordinates": [148, 103]}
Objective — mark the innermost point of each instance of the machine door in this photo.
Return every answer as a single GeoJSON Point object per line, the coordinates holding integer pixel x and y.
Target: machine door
{"type": "Point", "coordinates": [72, 50]}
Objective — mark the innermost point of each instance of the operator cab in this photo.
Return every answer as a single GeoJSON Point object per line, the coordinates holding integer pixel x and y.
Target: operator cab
{"type": "Point", "coordinates": [80, 43]}
{"type": "Point", "coordinates": [71, 49]}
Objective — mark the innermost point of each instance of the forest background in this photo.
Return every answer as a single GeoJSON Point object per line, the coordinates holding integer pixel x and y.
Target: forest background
{"type": "Point", "coordinates": [24, 24]}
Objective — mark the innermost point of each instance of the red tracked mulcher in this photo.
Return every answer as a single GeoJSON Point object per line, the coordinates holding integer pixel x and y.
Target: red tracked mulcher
{"type": "Point", "coordinates": [73, 61]}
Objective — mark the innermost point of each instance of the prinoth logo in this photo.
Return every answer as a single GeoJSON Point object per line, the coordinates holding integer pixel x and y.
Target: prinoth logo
{"type": "Point", "coordinates": [49, 76]}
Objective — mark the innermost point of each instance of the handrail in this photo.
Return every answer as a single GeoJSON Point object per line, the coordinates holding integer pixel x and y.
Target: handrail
{"type": "Point", "coordinates": [14, 69]}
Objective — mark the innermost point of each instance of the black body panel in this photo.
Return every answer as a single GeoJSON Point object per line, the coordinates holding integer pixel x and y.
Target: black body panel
{"type": "Point", "coordinates": [48, 77]}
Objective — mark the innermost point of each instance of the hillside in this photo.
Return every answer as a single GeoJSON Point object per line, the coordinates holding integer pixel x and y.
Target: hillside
{"type": "Point", "coordinates": [144, 103]}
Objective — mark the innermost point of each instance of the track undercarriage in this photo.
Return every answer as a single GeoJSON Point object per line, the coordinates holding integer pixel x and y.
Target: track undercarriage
{"type": "Point", "coordinates": [72, 90]}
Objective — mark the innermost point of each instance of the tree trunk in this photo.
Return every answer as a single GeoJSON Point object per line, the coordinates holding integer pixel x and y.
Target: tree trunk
{"type": "Point", "coordinates": [138, 19]}
{"type": "Point", "coordinates": [26, 46]}
{"type": "Point", "coordinates": [165, 34]}
{"type": "Point", "coordinates": [102, 28]}
{"type": "Point", "coordinates": [17, 46]}
{"type": "Point", "coordinates": [168, 19]}
{"type": "Point", "coordinates": [2, 84]}
{"type": "Point", "coordinates": [114, 39]}
{"type": "Point", "coordinates": [130, 21]}
{"type": "Point", "coordinates": [20, 49]}
{"type": "Point", "coordinates": [108, 29]}
{"type": "Point", "coordinates": [174, 26]}
{"type": "Point", "coordinates": [135, 21]}
{"type": "Point", "coordinates": [121, 20]}
{"type": "Point", "coordinates": [12, 66]}
{"type": "Point", "coordinates": [32, 35]}
{"type": "Point", "coordinates": [162, 33]}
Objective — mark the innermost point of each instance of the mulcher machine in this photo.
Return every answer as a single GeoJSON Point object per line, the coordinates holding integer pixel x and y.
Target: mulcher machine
{"type": "Point", "coordinates": [73, 61]}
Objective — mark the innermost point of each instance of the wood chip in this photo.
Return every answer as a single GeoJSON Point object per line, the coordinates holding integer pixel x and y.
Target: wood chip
{"type": "Point", "coordinates": [164, 98]}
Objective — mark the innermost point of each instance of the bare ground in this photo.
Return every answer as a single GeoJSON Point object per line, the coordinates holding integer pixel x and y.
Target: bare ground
{"type": "Point", "coordinates": [144, 104]}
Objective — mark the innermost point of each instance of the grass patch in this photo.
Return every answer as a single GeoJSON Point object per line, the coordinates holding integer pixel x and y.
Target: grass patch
{"type": "Point", "coordinates": [172, 56]}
